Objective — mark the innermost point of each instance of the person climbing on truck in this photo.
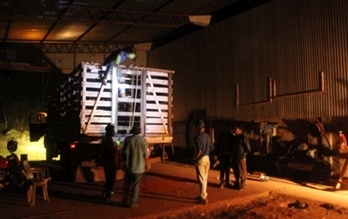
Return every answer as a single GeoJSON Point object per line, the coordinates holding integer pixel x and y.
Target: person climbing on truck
{"type": "Point", "coordinates": [116, 58]}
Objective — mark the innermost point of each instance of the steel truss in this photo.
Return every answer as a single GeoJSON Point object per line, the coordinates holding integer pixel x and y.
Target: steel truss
{"type": "Point", "coordinates": [90, 14]}
{"type": "Point", "coordinates": [44, 48]}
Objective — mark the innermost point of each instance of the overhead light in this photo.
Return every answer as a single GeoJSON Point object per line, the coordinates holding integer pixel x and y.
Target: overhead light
{"type": "Point", "coordinates": [200, 20]}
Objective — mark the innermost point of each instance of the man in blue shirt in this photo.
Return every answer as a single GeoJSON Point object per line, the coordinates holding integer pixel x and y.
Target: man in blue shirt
{"type": "Point", "coordinates": [203, 146]}
{"type": "Point", "coordinates": [241, 147]}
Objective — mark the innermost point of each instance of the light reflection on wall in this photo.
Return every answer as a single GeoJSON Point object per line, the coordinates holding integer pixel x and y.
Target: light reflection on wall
{"type": "Point", "coordinates": [34, 150]}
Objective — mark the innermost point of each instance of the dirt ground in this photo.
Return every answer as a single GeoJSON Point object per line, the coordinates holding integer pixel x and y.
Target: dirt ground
{"type": "Point", "coordinates": [273, 206]}
{"type": "Point", "coordinates": [168, 191]}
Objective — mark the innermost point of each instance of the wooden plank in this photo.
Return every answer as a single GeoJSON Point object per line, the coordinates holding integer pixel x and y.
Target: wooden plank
{"type": "Point", "coordinates": [100, 119]}
{"type": "Point", "coordinates": [156, 114]}
{"type": "Point", "coordinates": [154, 106]}
{"type": "Point", "coordinates": [119, 113]}
{"type": "Point", "coordinates": [123, 128]}
{"type": "Point", "coordinates": [130, 86]}
{"type": "Point", "coordinates": [98, 112]}
{"type": "Point", "coordinates": [92, 128]}
{"type": "Point", "coordinates": [157, 98]}
{"type": "Point", "coordinates": [158, 73]}
{"type": "Point", "coordinates": [163, 90]}
{"type": "Point", "coordinates": [159, 140]}
{"type": "Point", "coordinates": [100, 103]}
{"type": "Point", "coordinates": [128, 100]}
{"type": "Point", "coordinates": [156, 120]}
{"type": "Point", "coordinates": [92, 75]}
{"type": "Point", "coordinates": [157, 81]}
{"type": "Point", "coordinates": [155, 127]}
{"type": "Point", "coordinates": [93, 94]}
{"type": "Point", "coordinates": [155, 131]}
{"type": "Point", "coordinates": [101, 128]}
{"type": "Point", "coordinates": [96, 85]}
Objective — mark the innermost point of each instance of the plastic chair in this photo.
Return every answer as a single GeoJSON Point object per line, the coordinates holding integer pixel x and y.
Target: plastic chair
{"type": "Point", "coordinates": [36, 177]}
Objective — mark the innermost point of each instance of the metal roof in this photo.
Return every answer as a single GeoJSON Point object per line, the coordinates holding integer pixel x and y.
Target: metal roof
{"type": "Point", "coordinates": [45, 26]}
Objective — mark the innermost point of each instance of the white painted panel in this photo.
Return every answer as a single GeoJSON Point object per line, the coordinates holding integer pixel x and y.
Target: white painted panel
{"type": "Point", "coordinates": [161, 106]}
{"type": "Point", "coordinates": [158, 98]}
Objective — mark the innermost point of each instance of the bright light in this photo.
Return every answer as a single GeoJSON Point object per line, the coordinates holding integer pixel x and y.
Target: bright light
{"type": "Point", "coordinates": [72, 146]}
{"type": "Point", "coordinates": [34, 150]}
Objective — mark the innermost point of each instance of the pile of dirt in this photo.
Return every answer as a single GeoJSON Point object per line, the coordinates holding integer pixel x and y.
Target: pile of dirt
{"type": "Point", "coordinates": [273, 206]}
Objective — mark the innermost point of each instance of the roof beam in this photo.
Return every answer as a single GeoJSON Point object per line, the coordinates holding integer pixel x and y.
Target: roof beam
{"type": "Point", "coordinates": [43, 48]}
{"type": "Point", "coordinates": [91, 14]}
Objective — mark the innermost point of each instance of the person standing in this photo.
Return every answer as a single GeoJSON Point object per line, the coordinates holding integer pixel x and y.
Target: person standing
{"type": "Point", "coordinates": [136, 162]}
{"type": "Point", "coordinates": [241, 147]}
{"type": "Point", "coordinates": [202, 148]}
{"type": "Point", "coordinates": [109, 154]}
{"type": "Point", "coordinates": [223, 154]}
{"type": "Point", "coordinates": [116, 58]}
{"type": "Point", "coordinates": [342, 140]}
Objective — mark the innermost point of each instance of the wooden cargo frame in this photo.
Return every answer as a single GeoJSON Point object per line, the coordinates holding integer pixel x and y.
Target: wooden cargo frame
{"type": "Point", "coordinates": [131, 95]}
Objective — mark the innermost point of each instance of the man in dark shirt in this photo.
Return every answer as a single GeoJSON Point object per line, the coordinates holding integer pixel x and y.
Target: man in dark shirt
{"type": "Point", "coordinates": [224, 155]}
{"type": "Point", "coordinates": [241, 147]}
{"type": "Point", "coordinates": [109, 162]}
{"type": "Point", "coordinates": [203, 146]}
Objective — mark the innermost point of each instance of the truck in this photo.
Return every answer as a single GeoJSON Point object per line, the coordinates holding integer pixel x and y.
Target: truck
{"type": "Point", "coordinates": [82, 106]}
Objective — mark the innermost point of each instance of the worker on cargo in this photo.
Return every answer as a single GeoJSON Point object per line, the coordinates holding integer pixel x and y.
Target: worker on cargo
{"type": "Point", "coordinates": [116, 58]}
{"type": "Point", "coordinates": [135, 154]}
{"type": "Point", "coordinates": [109, 153]}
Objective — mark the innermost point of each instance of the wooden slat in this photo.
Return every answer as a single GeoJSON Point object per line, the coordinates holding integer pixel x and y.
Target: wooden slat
{"type": "Point", "coordinates": [96, 128]}
{"type": "Point", "coordinates": [158, 98]}
{"type": "Point", "coordinates": [101, 103]}
{"type": "Point", "coordinates": [155, 73]}
{"type": "Point", "coordinates": [155, 129]}
{"type": "Point", "coordinates": [122, 127]}
{"type": "Point", "coordinates": [156, 114]}
{"type": "Point", "coordinates": [157, 81]}
{"type": "Point", "coordinates": [128, 113]}
{"type": "Point", "coordinates": [96, 85]}
{"type": "Point", "coordinates": [128, 100]}
{"type": "Point", "coordinates": [130, 86]}
{"type": "Point", "coordinates": [158, 90]}
{"type": "Point", "coordinates": [93, 94]}
{"type": "Point", "coordinates": [159, 139]}
{"type": "Point", "coordinates": [98, 112]}
{"type": "Point", "coordinates": [156, 120]}
{"type": "Point", "coordinates": [154, 106]}
{"type": "Point", "coordinates": [101, 119]}
{"type": "Point", "coordinates": [101, 128]}
{"type": "Point", "coordinates": [91, 75]}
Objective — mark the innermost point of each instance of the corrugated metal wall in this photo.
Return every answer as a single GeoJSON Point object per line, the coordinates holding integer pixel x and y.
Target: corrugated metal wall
{"type": "Point", "coordinates": [290, 41]}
